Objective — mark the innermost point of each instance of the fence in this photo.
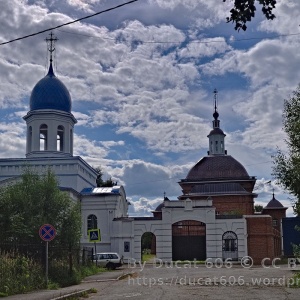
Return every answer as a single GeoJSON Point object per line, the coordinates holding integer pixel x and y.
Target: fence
{"type": "Point", "coordinates": [23, 265]}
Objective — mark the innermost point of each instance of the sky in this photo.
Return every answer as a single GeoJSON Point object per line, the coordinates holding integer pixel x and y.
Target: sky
{"type": "Point", "coordinates": [141, 78]}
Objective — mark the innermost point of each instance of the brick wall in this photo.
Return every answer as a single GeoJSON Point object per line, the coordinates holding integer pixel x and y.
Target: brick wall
{"type": "Point", "coordinates": [261, 238]}
{"type": "Point", "coordinates": [241, 204]}
{"type": "Point", "coordinates": [277, 214]}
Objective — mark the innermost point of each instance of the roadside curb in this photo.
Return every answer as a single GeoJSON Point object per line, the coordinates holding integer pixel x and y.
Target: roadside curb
{"type": "Point", "coordinates": [99, 280]}
{"type": "Point", "coordinates": [126, 275]}
{"type": "Point", "coordinates": [80, 292]}
{"type": "Point", "coordinates": [76, 293]}
{"type": "Point", "coordinates": [112, 279]}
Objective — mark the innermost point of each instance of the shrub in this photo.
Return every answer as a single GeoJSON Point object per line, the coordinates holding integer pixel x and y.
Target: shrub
{"type": "Point", "coordinates": [19, 274]}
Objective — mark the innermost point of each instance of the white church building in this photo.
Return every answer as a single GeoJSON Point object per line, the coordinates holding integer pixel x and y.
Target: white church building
{"type": "Point", "coordinates": [211, 219]}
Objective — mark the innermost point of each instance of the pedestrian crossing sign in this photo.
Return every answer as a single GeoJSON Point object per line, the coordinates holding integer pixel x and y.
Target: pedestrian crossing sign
{"type": "Point", "coordinates": [94, 235]}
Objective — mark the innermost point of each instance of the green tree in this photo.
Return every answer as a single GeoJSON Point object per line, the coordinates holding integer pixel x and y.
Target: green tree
{"type": "Point", "coordinates": [286, 167]}
{"type": "Point", "coordinates": [36, 200]}
{"type": "Point", "coordinates": [147, 240]}
{"type": "Point", "coordinates": [258, 208]}
{"type": "Point", "coordinates": [244, 10]}
{"type": "Point", "coordinates": [100, 182]}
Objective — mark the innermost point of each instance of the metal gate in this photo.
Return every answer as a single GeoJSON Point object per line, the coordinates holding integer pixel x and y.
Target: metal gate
{"type": "Point", "coordinates": [188, 240]}
{"type": "Point", "coordinates": [230, 245]}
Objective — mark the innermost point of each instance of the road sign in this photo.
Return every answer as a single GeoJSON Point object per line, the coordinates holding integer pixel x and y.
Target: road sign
{"type": "Point", "coordinates": [94, 235]}
{"type": "Point", "coordinates": [47, 232]}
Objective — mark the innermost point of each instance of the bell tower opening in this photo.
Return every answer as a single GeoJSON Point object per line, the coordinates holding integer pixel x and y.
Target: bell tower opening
{"type": "Point", "coordinates": [43, 137]}
{"type": "Point", "coordinates": [60, 138]}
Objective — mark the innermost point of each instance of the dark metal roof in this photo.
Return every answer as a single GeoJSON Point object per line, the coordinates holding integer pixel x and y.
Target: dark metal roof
{"type": "Point", "coordinates": [216, 131]}
{"type": "Point", "coordinates": [217, 167]}
{"type": "Point", "coordinates": [274, 203]}
{"type": "Point", "coordinates": [50, 93]}
{"type": "Point", "coordinates": [219, 188]}
{"type": "Point", "coordinates": [160, 206]}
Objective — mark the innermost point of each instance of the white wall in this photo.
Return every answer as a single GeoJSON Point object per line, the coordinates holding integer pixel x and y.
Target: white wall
{"type": "Point", "coordinates": [72, 172]}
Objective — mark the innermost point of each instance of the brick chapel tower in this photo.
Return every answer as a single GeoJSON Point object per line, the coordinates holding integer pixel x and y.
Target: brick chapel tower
{"type": "Point", "coordinates": [220, 177]}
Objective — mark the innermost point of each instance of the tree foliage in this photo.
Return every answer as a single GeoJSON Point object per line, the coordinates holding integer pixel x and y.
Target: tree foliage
{"type": "Point", "coordinates": [244, 10]}
{"type": "Point", "coordinates": [147, 240]}
{"type": "Point", "coordinates": [36, 200]}
{"type": "Point", "coordinates": [258, 208]}
{"type": "Point", "coordinates": [103, 183]}
{"type": "Point", "coordinates": [287, 165]}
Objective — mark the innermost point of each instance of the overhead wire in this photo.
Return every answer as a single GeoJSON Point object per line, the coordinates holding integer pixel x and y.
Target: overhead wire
{"type": "Point", "coordinates": [68, 23]}
{"type": "Point", "coordinates": [176, 178]}
{"type": "Point", "coordinates": [202, 41]}
{"type": "Point", "coordinates": [146, 42]}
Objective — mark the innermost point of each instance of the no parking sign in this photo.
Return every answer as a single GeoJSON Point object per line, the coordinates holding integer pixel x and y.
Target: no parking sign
{"type": "Point", "coordinates": [47, 232]}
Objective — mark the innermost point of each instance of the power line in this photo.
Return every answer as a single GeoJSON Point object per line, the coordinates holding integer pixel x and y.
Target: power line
{"type": "Point", "coordinates": [146, 42]}
{"type": "Point", "coordinates": [177, 178]}
{"type": "Point", "coordinates": [263, 162]}
{"type": "Point", "coordinates": [193, 41]}
{"type": "Point", "coordinates": [68, 23]}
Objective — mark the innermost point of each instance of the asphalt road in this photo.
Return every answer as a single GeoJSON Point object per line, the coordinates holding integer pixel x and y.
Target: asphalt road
{"type": "Point", "coordinates": [200, 282]}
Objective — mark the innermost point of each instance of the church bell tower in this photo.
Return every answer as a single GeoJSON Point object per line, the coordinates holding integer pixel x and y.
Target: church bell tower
{"type": "Point", "coordinates": [50, 123]}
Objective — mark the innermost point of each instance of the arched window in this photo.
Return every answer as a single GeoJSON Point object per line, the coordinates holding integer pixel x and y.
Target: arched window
{"type": "Point", "coordinates": [217, 146]}
{"type": "Point", "coordinates": [60, 138]}
{"type": "Point", "coordinates": [43, 137]}
{"type": "Point", "coordinates": [92, 222]}
{"type": "Point", "coordinates": [29, 138]}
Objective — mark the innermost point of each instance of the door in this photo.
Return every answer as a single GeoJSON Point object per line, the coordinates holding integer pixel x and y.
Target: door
{"type": "Point", "coordinates": [188, 240]}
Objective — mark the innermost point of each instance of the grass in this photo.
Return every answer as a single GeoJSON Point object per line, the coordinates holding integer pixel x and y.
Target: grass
{"type": "Point", "coordinates": [294, 282]}
{"type": "Point", "coordinates": [147, 257]}
{"type": "Point", "coordinates": [21, 275]}
{"type": "Point", "coordinates": [52, 285]}
{"type": "Point", "coordinates": [91, 270]}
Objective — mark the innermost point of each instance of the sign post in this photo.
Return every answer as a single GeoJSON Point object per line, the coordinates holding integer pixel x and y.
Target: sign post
{"type": "Point", "coordinates": [47, 233]}
{"type": "Point", "coordinates": [94, 236]}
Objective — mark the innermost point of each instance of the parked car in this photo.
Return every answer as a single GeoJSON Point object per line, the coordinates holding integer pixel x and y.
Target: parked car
{"type": "Point", "coordinates": [109, 260]}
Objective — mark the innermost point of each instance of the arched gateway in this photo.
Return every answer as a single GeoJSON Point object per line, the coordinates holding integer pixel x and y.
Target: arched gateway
{"type": "Point", "coordinates": [230, 245]}
{"type": "Point", "coordinates": [188, 240]}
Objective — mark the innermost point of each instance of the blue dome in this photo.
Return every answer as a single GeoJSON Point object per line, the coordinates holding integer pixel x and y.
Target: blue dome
{"type": "Point", "coordinates": [50, 93]}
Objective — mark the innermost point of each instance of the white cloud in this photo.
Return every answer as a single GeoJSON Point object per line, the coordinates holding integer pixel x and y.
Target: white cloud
{"type": "Point", "coordinates": [84, 5]}
{"type": "Point", "coordinates": [82, 119]}
{"type": "Point", "coordinates": [143, 206]}
{"type": "Point", "coordinates": [12, 141]}
{"type": "Point", "coordinates": [266, 187]}
{"type": "Point", "coordinates": [207, 47]}
{"type": "Point", "coordinates": [109, 144]}
{"type": "Point", "coordinates": [287, 18]}
{"type": "Point", "coordinates": [89, 150]}
{"type": "Point", "coordinates": [148, 179]}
